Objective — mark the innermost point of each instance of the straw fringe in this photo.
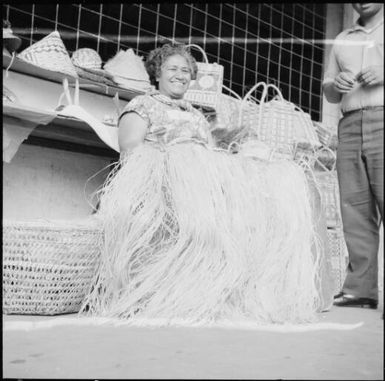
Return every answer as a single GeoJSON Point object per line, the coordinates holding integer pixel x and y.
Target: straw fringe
{"type": "Point", "coordinates": [200, 235]}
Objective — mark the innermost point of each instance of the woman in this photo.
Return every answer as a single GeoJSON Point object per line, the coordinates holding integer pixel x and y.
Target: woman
{"type": "Point", "coordinates": [193, 234]}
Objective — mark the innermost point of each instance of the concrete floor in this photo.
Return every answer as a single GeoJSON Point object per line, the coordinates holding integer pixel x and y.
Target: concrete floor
{"type": "Point", "coordinates": [56, 347]}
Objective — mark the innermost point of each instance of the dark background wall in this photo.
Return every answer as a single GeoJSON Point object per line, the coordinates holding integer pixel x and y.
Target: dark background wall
{"type": "Point", "coordinates": [275, 43]}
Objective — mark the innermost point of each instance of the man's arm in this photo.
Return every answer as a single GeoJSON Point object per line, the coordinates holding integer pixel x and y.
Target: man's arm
{"type": "Point", "coordinates": [337, 82]}
{"type": "Point", "coordinates": [331, 94]}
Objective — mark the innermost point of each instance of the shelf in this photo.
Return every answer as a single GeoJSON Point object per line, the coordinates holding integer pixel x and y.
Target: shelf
{"type": "Point", "coordinates": [37, 92]}
{"type": "Point", "coordinates": [60, 132]}
{"type": "Point", "coordinates": [24, 67]}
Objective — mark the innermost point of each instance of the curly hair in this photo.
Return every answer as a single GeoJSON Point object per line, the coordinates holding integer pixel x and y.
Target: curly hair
{"type": "Point", "coordinates": [158, 56]}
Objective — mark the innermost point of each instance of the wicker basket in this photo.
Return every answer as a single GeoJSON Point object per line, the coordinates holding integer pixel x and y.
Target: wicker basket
{"type": "Point", "coordinates": [103, 78]}
{"type": "Point", "coordinates": [328, 186]}
{"type": "Point", "coordinates": [48, 266]}
{"type": "Point", "coordinates": [338, 256]}
{"type": "Point", "coordinates": [279, 123]}
{"type": "Point", "coordinates": [326, 135]}
{"type": "Point", "coordinates": [327, 182]}
{"type": "Point", "coordinates": [51, 54]}
{"type": "Point", "coordinates": [205, 90]}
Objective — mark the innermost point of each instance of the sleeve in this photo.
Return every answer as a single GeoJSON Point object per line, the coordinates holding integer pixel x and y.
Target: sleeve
{"type": "Point", "coordinates": [140, 105]}
{"type": "Point", "coordinates": [333, 68]}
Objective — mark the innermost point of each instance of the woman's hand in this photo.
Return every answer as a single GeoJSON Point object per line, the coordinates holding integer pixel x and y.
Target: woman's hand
{"type": "Point", "coordinates": [132, 131]}
{"type": "Point", "coordinates": [371, 75]}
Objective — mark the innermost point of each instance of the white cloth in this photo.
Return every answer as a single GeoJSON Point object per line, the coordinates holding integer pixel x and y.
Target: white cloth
{"type": "Point", "coordinates": [108, 134]}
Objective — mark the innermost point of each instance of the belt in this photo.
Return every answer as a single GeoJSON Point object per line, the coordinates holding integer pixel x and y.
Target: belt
{"type": "Point", "coordinates": [367, 108]}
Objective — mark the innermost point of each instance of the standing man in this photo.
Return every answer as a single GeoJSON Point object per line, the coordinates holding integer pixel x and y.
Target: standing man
{"type": "Point", "coordinates": [355, 78]}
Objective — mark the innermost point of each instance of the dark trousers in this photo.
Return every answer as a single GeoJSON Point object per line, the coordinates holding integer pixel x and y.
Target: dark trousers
{"type": "Point", "coordinates": [360, 165]}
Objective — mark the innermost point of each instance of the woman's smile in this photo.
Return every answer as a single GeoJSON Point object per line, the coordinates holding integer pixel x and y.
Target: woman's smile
{"type": "Point", "coordinates": [175, 77]}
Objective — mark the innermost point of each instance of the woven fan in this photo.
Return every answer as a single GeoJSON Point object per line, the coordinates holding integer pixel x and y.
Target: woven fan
{"type": "Point", "coordinates": [51, 54]}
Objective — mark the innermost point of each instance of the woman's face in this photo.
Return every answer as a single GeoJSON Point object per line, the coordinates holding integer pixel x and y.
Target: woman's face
{"type": "Point", "coordinates": [175, 77]}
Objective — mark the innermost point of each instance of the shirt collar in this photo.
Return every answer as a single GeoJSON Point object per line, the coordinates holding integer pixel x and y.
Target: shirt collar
{"type": "Point", "coordinates": [356, 26]}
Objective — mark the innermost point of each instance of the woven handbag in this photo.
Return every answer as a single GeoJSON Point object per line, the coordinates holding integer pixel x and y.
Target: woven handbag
{"type": "Point", "coordinates": [338, 257]}
{"type": "Point", "coordinates": [206, 89]}
{"type": "Point", "coordinates": [279, 123]}
{"type": "Point", "coordinates": [51, 54]}
{"type": "Point", "coordinates": [327, 182]}
{"type": "Point", "coordinates": [48, 266]}
{"type": "Point", "coordinates": [268, 120]}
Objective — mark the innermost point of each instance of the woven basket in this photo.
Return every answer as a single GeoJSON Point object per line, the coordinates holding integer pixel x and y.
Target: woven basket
{"type": "Point", "coordinates": [87, 58]}
{"type": "Point", "coordinates": [88, 65]}
{"type": "Point", "coordinates": [338, 256]}
{"type": "Point", "coordinates": [328, 186]}
{"type": "Point", "coordinates": [91, 75]}
{"type": "Point", "coordinates": [327, 182]}
{"type": "Point", "coordinates": [326, 135]}
{"type": "Point", "coordinates": [48, 266]}
{"type": "Point", "coordinates": [51, 54]}
{"type": "Point", "coordinates": [206, 89]}
{"type": "Point", "coordinates": [279, 123]}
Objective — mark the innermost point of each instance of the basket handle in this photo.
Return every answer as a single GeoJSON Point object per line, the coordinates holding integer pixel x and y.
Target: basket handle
{"type": "Point", "coordinates": [322, 165]}
{"type": "Point", "coordinates": [278, 91]}
{"type": "Point", "coordinates": [246, 99]}
{"type": "Point", "coordinates": [247, 96]}
{"type": "Point", "coordinates": [232, 92]}
{"type": "Point", "coordinates": [297, 108]}
{"type": "Point", "coordinates": [200, 49]}
{"type": "Point", "coordinates": [281, 98]}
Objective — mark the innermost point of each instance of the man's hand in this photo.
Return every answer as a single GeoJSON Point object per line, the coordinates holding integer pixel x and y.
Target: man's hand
{"type": "Point", "coordinates": [371, 75]}
{"type": "Point", "coordinates": [344, 82]}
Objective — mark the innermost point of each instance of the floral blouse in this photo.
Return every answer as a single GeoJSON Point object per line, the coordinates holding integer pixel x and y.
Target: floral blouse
{"type": "Point", "coordinates": [169, 119]}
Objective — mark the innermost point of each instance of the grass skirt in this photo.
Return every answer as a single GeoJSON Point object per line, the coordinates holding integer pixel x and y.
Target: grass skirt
{"type": "Point", "coordinates": [196, 236]}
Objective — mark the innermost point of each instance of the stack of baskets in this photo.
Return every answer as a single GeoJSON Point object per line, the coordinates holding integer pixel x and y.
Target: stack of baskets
{"type": "Point", "coordinates": [338, 257]}
{"type": "Point", "coordinates": [48, 266]}
{"type": "Point", "coordinates": [338, 254]}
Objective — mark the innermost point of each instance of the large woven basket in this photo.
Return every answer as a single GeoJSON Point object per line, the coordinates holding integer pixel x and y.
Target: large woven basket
{"type": "Point", "coordinates": [338, 256]}
{"type": "Point", "coordinates": [279, 123]}
{"type": "Point", "coordinates": [48, 266]}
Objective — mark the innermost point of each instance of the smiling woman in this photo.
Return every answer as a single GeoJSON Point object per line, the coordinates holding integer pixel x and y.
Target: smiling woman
{"type": "Point", "coordinates": [194, 235]}
{"type": "Point", "coordinates": [175, 78]}
{"type": "Point", "coordinates": [159, 59]}
{"type": "Point", "coordinates": [171, 69]}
